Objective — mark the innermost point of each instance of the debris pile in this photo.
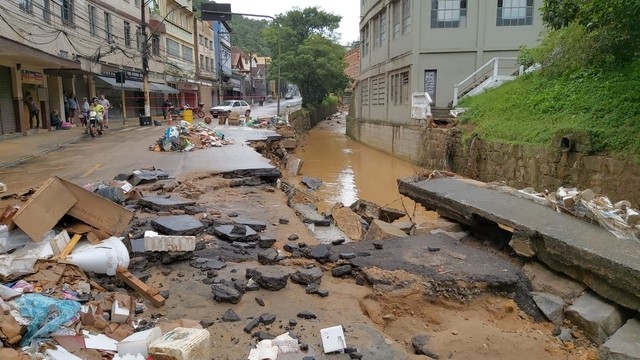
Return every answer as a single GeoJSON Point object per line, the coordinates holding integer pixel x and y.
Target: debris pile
{"type": "Point", "coordinates": [186, 137]}
{"type": "Point", "coordinates": [266, 122]}
{"type": "Point", "coordinates": [619, 218]}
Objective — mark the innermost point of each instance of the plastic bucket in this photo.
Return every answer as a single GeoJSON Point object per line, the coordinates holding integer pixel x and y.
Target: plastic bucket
{"type": "Point", "coordinates": [187, 115]}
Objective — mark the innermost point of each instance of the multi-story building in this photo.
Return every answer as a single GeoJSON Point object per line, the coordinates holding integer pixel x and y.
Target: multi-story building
{"type": "Point", "coordinates": [51, 49]}
{"type": "Point", "coordinates": [206, 69]}
{"type": "Point", "coordinates": [430, 46]}
{"type": "Point", "coordinates": [222, 47]}
{"type": "Point", "coordinates": [352, 59]}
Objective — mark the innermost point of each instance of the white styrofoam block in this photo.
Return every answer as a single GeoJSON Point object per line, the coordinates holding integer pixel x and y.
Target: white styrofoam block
{"type": "Point", "coordinates": [182, 344]}
{"type": "Point", "coordinates": [138, 343]}
{"type": "Point", "coordinates": [333, 339]}
{"type": "Point", "coordinates": [155, 242]}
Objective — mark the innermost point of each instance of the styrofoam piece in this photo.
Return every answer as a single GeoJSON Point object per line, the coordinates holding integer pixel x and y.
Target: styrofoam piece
{"type": "Point", "coordinates": [182, 344]}
{"type": "Point", "coordinates": [155, 242]}
{"type": "Point", "coordinates": [119, 314]}
{"type": "Point", "coordinates": [138, 343]}
{"type": "Point", "coordinates": [99, 342]}
{"type": "Point", "coordinates": [102, 258]}
{"type": "Point", "coordinates": [333, 339]}
{"type": "Point", "coordinates": [60, 354]}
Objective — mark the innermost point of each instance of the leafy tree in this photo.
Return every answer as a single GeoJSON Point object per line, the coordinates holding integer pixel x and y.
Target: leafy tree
{"type": "Point", "coordinates": [246, 34]}
{"type": "Point", "coordinates": [559, 13]}
{"type": "Point", "coordinates": [310, 56]}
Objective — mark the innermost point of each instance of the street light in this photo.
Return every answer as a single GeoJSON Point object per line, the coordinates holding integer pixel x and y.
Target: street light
{"type": "Point", "coordinates": [216, 12]}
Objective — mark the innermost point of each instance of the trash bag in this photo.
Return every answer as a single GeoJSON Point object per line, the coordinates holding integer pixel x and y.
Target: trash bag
{"type": "Point", "coordinates": [46, 314]}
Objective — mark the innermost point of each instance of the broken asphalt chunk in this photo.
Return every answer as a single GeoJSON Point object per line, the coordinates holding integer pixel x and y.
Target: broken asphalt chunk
{"type": "Point", "coordinates": [158, 203]}
{"type": "Point", "coordinates": [251, 325]}
{"type": "Point", "coordinates": [320, 253]}
{"type": "Point", "coordinates": [265, 242]}
{"type": "Point", "coordinates": [225, 293]}
{"type": "Point", "coordinates": [306, 315]}
{"type": "Point", "coordinates": [307, 276]}
{"type": "Point", "coordinates": [311, 182]}
{"type": "Point", "coordinates": [341, 271]}
{"type": "Point", "coordinates": [268, 257]}
{"type": "Point", "coordinates": [254, 224]}
{"type": "Point", "coordinates": [267, 319]}
{"type": "Point", "coordinates": [226, 232]}
{"type": "Point", "coordinates": [208, 264]}
{"type": "Point", "coordinates": [271, 278]}
{"type": "Point", "coordinates": [230, 316]}
{"type": "Point", "coordinates": [181, 225]}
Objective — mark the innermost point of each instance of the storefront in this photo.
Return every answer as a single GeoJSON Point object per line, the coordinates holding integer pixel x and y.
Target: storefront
{"type": "Point", "coordinates": [7, 110]}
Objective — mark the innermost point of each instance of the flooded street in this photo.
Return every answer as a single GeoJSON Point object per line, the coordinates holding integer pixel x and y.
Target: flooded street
{"type": "Point", "coordinates": [352, 171]}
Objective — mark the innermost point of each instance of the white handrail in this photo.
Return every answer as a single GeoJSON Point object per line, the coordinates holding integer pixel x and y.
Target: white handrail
{"type": "Point", "coordinates": [493, 63]}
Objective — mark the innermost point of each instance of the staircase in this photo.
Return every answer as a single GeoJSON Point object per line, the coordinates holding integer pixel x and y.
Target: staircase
{"type": "Point", "coordinates": [495, 72]}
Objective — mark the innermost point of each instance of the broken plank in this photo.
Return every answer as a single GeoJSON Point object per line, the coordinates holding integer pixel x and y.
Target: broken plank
{"type": "Point", "coordinates": [69, 247]}
{"type": "Point", "coordinates": [148, 292]}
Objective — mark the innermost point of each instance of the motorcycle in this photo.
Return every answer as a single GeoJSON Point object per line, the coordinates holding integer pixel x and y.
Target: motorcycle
{"type": "Point", "coordinates": [199, 111]}
{"type": "Point", "coordinates": [93, 124]}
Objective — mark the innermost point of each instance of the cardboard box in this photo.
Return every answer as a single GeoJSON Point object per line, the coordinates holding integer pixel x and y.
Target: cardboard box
{"type": "Point", "coordinates": [45, 208]}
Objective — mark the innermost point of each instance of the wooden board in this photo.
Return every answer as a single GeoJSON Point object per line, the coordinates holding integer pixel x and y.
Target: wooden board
{"type": "Point", "coordinates": [148, 292]}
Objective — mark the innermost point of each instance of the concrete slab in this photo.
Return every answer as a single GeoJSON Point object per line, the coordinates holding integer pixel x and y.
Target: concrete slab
{"type": "Point", "coordinates": [596, 317]}
{"type": "Point", "coordinates": [380, 230]}
{"type": "Point", "coordinates": [624, 344]}
{"type": "Point", "coordinates": [158, 203]}
{"type": "Point", "coordinates": [228, 233]}
{"type": "Point", "coordinates": [585, 252]}
{"type": "Point", "coordinates": [181, 225]}
{"type": "Point", "coordinates": [308, 214]}
{"type": "Point", "coordinates": [546, 281]}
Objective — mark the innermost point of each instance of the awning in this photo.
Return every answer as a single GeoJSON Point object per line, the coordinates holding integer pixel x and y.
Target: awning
{"type": "Point", "coordinates": [162, 88]}
{"type": "Point", "coordinates": [128, 84]}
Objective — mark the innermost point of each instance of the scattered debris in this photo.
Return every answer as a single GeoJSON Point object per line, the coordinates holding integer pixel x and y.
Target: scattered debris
{"type": "Point", "coordinates": [186, 137]}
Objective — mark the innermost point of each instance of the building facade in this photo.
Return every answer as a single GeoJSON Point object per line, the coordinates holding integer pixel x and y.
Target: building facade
{"type": "Point", "coordinates": [352, 59]}
{"type": "Point", "coordinates": [206, 72]}
{"type": "Point", "coordinates": [429, 46]}
{"type": "Point", "coordinates": [222, 49]}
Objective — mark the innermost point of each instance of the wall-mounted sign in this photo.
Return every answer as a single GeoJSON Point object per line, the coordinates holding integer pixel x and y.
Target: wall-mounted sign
{"type": "Point", "coordinates": [128, 75]}
{"type": "Point", "coordinates": [31, 77]}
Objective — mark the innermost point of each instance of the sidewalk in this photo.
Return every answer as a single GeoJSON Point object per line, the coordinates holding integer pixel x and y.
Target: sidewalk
{"type": "Point", "coordinates": [15, 149]}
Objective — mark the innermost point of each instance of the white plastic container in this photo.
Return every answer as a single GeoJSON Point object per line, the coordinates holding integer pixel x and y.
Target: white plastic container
{"type": "Point", "coordinates": [182, 344]}
{"type": "Point", "coordinates": [102, 258]}
{"type": "Point", "coordinates": [138, 343]}
{"type": "Point", "coordinates": [333, 339]}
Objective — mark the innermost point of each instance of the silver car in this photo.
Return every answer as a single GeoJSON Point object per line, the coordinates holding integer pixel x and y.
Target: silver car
{"type": "Point", "coordinates": [228, 106]}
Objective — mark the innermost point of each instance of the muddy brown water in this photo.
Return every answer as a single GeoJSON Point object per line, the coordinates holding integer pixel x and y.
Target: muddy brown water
{"type": "Point", "coordinates": [351, 171]}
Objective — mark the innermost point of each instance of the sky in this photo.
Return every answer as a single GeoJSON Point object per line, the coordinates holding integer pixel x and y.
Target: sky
{"type": "Point", "coordinates": [348, 9]}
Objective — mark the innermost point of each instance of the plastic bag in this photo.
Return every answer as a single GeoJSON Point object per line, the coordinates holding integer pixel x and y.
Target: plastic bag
{"type": "Point", "coordinates": [22, 260]}
{"type": "Point", "coordinates": [10, 240]}
{"type": "Point", "coordinates": [46, 314]}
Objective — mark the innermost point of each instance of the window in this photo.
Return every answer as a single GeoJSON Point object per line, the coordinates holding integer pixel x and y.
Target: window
{"type": "Point", "coordinates": [187, 53]}
{"type": "Point", "coordinates": [206, 42]}
{"type": "Point", "coordinates": [139, 38]}
{"type": "Point", "coordinates": [26, 6]}
{"type": "Point", "coordinates": [93, 28]}
{"type": "Point", "coordinates": [378, 90]}
{"type": "Point", "coordinates": [375, 23]}
{"type": "Point", "coordinates": [448, 14]}
{"type": "Point", "coordinates": [365, 92]}
{"type": "Point", "coordinates": [211, 65]}
{"type": "Point", "coordinates": [206, 64]}
{"type": "Point", "coordinates": [127, 35]}
{"type": "Point", "coordinates": [64, 54]}
{"type": "Point", "coordinates": [383, 27]}
{"type": "Point", "coordinates": [406, 16]}
{"type": "Point", "coordinates": [200, 39]}
{"type": "Point", "coordinates": [395, 17]}
{"type": "Point", "coordinates": [171, 14]}
{"type": "Point", "coordinates": [46, 10]}
{"type": "Point", "coordinates": [66, 11]}
{"type": "Point", "coordinates": [173, 48]}
{"type": "Point", "coordinates": [155, 45]}
{"type": "Point", "coordinates": [404, 90]}
{"type": "Point", "coordinates": [137, 2]}
{"type": "Point", "coordinates": [210, 44]}
{"type": "Point", "coordinates": [107, 27]}
{"type": "Point", "coordinates": [514, 12]}
{"type": "Point", "coordinates": [202, 62]}
{"type": "Point", "coordinates": [365, 40]}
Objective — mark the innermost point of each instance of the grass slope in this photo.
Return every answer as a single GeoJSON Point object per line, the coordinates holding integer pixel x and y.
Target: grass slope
{"type": "Point", "coordinates": [533, 108]}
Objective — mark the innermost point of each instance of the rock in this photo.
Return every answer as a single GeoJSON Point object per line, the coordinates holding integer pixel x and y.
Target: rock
{"type": "Point", "coordinates": [208, 264]}
{"type": "Point", "coordinates": [291, 247]}
{"type": "Point", "coordinates": [268, 257]}
{"type": "Point", "coordinates": [256, 225]}
{"type": "Point", "coordinates": [380, 230]}
{"type": "Point", "coordinates": [433, 248]}
{"type": "Point", "coordinates": [311, 182]}
{"type": "Point", "coordinates": [293, 322]}
{"type": "Point", "coordinates": [243, 245]}
{"type": "Point", "coordinates": [597, 318]}
{"type": "Point", "coordinates": [267, 319]}
{"type": "Point", "coordinates": [166, 271]}
{"type": "Point", "coordinates": [233, 214]}
{"type": "Point", "coordinates": [340, 271]}
{"type": "Point", "coordinates": [307, 276]}
{"type": "Point", "coordinates": [350, 349]}
{"type": "Point", "coordinates": [226, 232]}
{"type": "Point", "coordinates": [320, 253]}
{"type": "Point", "coordinates": [310, 215]}
{"type": "Point", "coordinates": [338, 242]}
{"type": "Point", "coordinates": [305, 347]}
{"type": "Point", "coordinates": [349, 222]}
{"type": "Point", "coordinates": [322, 292]}
{"type": "Point", "coordinates": [206, 323]}
{"type": "Point", "coordinates": [283, 221]}
{"type": "Point", "coordinates": [271, 278]}
{"type": "Point", "coordinates": [624, 344]}
{"type": "Point", "coordinates": [194, 210]}
{"type": "Point", "coordinates": [308, 357]}
{"type": "Point", "coordinates": [293, 237]}
{"type": "Point", "coordinates": [265, 242]}
{"type": "Point", "coordinates": [419, 343]}
{"type": "Point", "coordinates": [230, 316]}
{"type": "Point", "coordinates": [306, 315]}
{"type": "Point", "coordinates": [239, 229]}
{"type": "Point", "coordinates": [347, 256]}
{"type": "Point", "coordinates": [552, 306]}
{"type": "Point", "coordinates": [522, 244]}
{"type": "Point", "coordinates": [259, 301]}
{"type": "Point", "coordinates": [252, 285]}
{"type": "Point", "coordinates": [546, 281]}
{"type": "Point", "coordinates": [164, 293]}
{"type": "Point", "coordinates": [288, 143]}
{"type": "Point", "coordinates": [302, 245]}
{"type": "Point", "coordinates": [405, 226]}
{"type": "Point", "coordinates": [312, 288]}
{"type": "Point", "coordinates": [225, 293]}
{"type": "Point", "coordinates": [251, 325]}
{"type": "Point", "coordinates": [181, 225]}
{"type": "Point", "coordinates": [565, 335]}
{"type": "Point", "coordinates": [378, 245]}
{"type": "Point", "coordinates": [262, 335]}
{"type": "Point", "coordinates": [157, 203]}
{"type": "Point", "coordinates": [355, 355]}
{"type": "Point", "coordinates": [293, 165]}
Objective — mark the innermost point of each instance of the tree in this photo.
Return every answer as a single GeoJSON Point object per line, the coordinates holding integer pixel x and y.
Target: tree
{"type": "Point", "coordinates": [247, 36]}
{"type": "Point", "coordinates": [310, 56]}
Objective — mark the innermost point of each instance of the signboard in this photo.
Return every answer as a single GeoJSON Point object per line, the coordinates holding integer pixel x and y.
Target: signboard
{"type": "Point", "coordinates": [430, 80]}
{"type": "Point", "coordinates": [128, 74]}
{"type": "Point", "coordinates": [31, 77]}
{"type": "Point", "coordinates": [216, 12]}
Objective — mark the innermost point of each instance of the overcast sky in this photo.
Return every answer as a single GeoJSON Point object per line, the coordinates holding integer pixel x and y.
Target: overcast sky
{"type": "Point", "coordinates": [348, 9]}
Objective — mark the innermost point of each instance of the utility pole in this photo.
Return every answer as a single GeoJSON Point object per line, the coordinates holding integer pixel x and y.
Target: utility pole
{"type": "Point", "coordinates": [145, 59]}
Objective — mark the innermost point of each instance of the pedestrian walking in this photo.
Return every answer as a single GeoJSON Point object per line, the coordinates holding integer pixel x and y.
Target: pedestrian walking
{"type": "Point", "coordinates": [85, 111]}
{"type": "Point", "coordinates": [107, 105]}
{"type": "Point", "coordinates": [33, 112]}
{"type": "Point", "coordinates": [73, 107]}
{"type": "Point", "coordinates": [165, 108]}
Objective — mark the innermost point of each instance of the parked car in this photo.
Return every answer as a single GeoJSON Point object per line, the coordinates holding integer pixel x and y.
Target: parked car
{"type": "Point", "coordinates": [228, 106]}
{"type": "Point", "coordinates": [288, 96]}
